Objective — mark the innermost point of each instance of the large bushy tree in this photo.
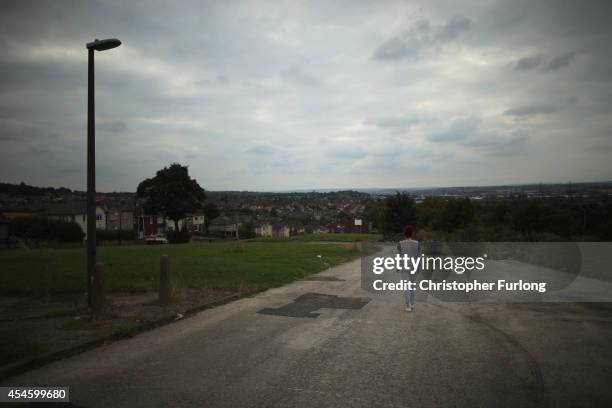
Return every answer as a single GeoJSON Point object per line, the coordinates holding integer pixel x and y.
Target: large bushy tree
{"type": "Point", "coordinates": [171, 193]}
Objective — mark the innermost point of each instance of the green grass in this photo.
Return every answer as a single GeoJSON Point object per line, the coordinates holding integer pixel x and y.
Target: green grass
{"type": "Point", "coordinates": [251, 266]}
{"type": "Point", "coordinates": [344, 237]}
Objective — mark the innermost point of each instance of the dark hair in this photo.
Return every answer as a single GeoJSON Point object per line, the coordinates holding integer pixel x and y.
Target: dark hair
{"type": "Point", "coordinates": [408, 231]}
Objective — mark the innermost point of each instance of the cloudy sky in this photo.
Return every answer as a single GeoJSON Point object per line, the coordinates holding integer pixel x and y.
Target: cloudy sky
{"type": "Point", "coordinates": [275, 95]}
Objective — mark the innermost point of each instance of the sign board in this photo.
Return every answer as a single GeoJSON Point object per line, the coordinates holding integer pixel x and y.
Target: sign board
{"type": "Point", "coordinates": [357, 222]}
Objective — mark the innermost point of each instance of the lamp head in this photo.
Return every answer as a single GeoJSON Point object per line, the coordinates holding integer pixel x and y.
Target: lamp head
{"type": "Point", "coordinates": [103, 45]}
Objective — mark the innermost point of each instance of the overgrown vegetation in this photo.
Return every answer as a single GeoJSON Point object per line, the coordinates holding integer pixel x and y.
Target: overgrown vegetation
{"type": "Point", "coordinates": [504, 219]}
{"type": "Point", "coordinates": [40, 229]}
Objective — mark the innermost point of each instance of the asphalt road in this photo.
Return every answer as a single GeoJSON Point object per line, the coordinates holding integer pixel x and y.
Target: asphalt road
{"type": "Point", "coordinates": [327, 351]}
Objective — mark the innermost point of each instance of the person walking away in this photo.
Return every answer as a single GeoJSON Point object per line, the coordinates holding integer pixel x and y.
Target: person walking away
{"type": "Point", "coordinates": [410, 247]}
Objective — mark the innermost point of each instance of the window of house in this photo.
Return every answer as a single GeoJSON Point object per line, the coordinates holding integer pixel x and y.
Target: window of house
{"type": "Point", "coordinates": [99, 217]}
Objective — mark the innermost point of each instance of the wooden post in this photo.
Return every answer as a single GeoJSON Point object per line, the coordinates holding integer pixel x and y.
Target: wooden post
{"type": "Point", "coordinates": [99, 295]}
{"type": "Point", "coordinates": [165, 288]}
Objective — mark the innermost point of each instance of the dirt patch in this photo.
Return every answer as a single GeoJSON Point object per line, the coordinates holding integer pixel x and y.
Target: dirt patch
{"type": "Point", "coordinates": [32, 327]}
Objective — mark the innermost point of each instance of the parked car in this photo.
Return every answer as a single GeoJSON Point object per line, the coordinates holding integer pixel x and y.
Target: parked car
{"type": "Point", "coordinates": [156, 239]}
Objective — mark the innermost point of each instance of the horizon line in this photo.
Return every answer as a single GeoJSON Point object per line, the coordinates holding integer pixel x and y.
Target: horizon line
{"type": "Point", "coordinates": [357, 189]}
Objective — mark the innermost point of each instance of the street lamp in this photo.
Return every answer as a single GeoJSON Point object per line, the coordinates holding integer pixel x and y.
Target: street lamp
{"type": "Point", "coordinates": [97, 45]}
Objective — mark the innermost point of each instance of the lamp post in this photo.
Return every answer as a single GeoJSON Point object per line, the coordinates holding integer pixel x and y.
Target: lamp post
{"type": "Point", "coordinates": [97, 45]}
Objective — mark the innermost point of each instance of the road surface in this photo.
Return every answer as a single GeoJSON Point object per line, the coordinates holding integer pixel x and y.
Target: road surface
{"type": "Point", "coordinates": [332, 347]}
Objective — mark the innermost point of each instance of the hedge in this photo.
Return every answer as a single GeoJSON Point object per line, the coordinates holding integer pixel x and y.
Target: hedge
{"type": "Point", "coordinates": [44, 229]}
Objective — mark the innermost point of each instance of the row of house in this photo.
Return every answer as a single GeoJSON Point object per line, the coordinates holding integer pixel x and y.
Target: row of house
{"type": "Point", "coordinates": [128, 216]}
{"type": "Point", "coordinates": [283, 231]}
{"type": "Point", "coordinates": [229, 227]}
{"type": "Point", "coordinates": [116, 218]}
{"type": "Point", "coordinates": [273, 230]}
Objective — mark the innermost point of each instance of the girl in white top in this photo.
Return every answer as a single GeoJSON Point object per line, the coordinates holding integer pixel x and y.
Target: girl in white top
{"type": "Point", "coordinates": [411, 248]}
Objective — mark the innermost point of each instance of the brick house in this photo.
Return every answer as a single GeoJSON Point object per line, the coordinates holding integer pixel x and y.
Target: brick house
{"type": "Point", "coordinates": [147, 225]}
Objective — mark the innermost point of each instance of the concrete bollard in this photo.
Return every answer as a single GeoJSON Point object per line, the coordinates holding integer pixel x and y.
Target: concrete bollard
{"type": "Point", "coordinates": [99, 295]}
{"type": "Point", "coordinates": [165, 288]}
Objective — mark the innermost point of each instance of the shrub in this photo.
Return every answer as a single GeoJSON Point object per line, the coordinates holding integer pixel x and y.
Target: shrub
{"type": "Point", "coordinates": [63, 231]}
{"type": "Point", "coordinates": [44, 229]}
{"type": "Point", "coordinates": [455, 214]}
{"type": "Point", "coordinates": [247, 230]}
{"type": "Point", "coordinates": [178, 237]}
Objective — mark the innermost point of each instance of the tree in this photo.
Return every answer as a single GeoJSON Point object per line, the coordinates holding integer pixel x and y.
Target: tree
{"type": "Point", "coordinates": [429, 211]}
{"type": "Point", "coordinates": [247, 230]}
{"type": "Point", "coordinates": [531, 216]}
{"type": "Point", "coordinates": [457, 213]}
{"type": "Point", "coordinates": [399, 211]}
{"type": "Point", "coordinates": [374, 213]}
{"type": "Point", "coordinates": [211, 211]}
{"type": "Point", "coordinates": [171, 193]}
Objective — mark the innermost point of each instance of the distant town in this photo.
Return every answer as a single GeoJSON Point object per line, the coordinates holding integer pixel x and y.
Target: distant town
{"type": "Point", "coordinates": [230, 214]}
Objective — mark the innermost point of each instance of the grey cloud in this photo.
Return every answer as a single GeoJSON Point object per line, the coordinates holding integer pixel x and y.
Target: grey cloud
{"type": "Point", "coordinates": [500, 144]}
{"type": "Point", "coordinates": [262, 149]}
{"type": "Point", "coordinates": [538, 109]}
{"type": "Point", "coordinates": [8, 137]}
{"type": "Point", "coordinates": [545, 22]}
{"type": "Point", "coordinates": [112, 127]}
{"type": "Point", "coordinates": [219, 80]}
{"type": "Point", "coordinates": [39, 149]}
{"type": "Point", "coordinates": [405, 45]}
{"type": "Point", "coordinates": [527, 63]}
{"type": "Point", "coordinates": [560, 61]}
{"type": "Point", "coordinates": [393, 122]}
{"type": "Point", "coordinates": [67, 167]}
{"type": "Point", "coordinates": [243, 56]}
{"type": "Point", "coordinates": [601, 148]}
{"type": "Point", "coordinates": [599, 64]}
{"type": "Point", "coordinates": [15, 132]}
{"type": "Point", "coordinates": [43, 76]}
{"type": "Point", "coordinates": [296, 75]}
{"type": "Point", "coordinates": [459, 130]}
{"type": "Point", "coordinates": [348, 153]}
{"type": "Point", "coordinates": [453, 28]}
{"type": "Point", "coordinates": [422, 34]}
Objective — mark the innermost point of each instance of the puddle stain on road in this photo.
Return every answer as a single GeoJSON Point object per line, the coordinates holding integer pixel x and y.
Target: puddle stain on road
{"type": "Point", "coordinates": [308, 303]}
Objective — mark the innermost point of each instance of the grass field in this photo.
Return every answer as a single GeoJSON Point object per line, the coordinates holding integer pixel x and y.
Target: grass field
{"type": "Point", "coordinates": [324, 238]}
{"type": "Point", "coordinates": [249, 266]}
